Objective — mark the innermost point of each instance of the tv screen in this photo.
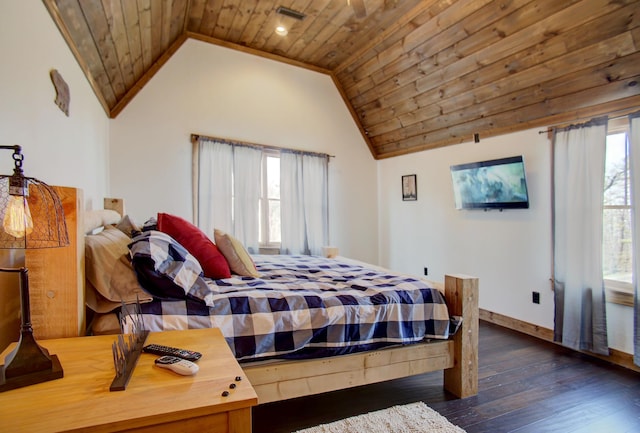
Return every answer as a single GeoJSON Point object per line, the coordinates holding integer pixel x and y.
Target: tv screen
{"type": "Point", "coordinates": [495, 184]}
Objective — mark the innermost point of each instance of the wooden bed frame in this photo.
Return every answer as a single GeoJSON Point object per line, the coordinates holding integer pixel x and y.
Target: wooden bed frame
{"type": "Point", "coordinates": [274, 380]}
{"type": "Point", "coordinates": [458, 357]}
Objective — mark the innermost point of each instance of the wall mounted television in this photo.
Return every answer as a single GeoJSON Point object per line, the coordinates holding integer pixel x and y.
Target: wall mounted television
{"type": "Point", "coordinates": [495, 184]}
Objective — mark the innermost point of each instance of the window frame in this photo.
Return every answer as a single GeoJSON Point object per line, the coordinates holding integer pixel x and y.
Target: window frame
{"type": "Point", "coordinates": [616, 291]}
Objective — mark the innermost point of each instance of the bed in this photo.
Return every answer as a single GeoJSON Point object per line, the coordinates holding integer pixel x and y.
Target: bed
{"type": "Point", "coordinates": [407, 325]}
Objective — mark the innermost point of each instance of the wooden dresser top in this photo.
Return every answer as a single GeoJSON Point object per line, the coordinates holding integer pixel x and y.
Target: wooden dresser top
{"type": "Point", "coordinates": [82, 397]}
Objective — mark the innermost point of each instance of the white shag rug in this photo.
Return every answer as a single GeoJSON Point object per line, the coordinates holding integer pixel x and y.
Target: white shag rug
{"type": "Point", "coordinates": [414, 417]}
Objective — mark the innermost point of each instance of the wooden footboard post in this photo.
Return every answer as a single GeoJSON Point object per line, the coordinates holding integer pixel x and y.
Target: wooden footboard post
{"type": "Point", "coordinates": [462, 298]}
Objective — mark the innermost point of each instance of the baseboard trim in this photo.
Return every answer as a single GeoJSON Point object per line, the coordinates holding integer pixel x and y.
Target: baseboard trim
{"type": "Point", "coordinates": [617, 357]}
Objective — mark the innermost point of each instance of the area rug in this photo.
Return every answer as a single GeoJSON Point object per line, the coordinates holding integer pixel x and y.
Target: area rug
{"type": "Point", "coordinates": [414, 417]}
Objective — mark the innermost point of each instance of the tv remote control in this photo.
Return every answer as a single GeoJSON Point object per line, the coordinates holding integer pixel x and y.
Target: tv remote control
{"type": "Point", "coordinates": [158, 349]}
{"type": "Point", "coordinates": [177, 365]}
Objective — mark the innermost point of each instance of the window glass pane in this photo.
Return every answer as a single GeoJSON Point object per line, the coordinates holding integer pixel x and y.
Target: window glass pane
{"type": "Point", "coordinates": [616, 225]}
{"type": "Point", "coordinates": [274, 221]}
{"type": "Point", "coordinates": [616, 184]}
{"type": "Point", "coordinates": [273, 178]}
{"type": "Point", "coordinates": [260, 222]}
{"type": "Point", "coordinates": [616, 249]}
{"type": "Point", "coordinates": [270, 200]}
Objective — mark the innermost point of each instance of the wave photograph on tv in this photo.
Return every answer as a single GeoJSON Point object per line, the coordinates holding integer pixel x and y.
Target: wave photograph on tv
{"type": "Point", "coordinates": [495, 184]}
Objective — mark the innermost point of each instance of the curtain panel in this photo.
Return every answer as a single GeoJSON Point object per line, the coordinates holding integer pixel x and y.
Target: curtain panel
{"type": "Point", "coordinates": [291, 199]}
{"type": "Point", "coordinates": [304, 202]}
{"type": "Point", "coordinates": [634, 157]}
{"type": "Point", "coordinates": [578, 178]}
{"type": "Point", "coordinates": [213, 185]}
{"type": "Point", "coordinates": [227, 189]}
{"type": "Point", "coordinates": [246, 196]}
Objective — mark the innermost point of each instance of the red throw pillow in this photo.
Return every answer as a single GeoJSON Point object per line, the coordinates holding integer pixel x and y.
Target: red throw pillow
{"type": "Point", "coordinates": [213, 263]}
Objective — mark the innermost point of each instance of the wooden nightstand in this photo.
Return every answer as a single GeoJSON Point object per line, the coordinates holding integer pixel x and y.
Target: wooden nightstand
{"type": "Point", "coordinates": [156, 400]}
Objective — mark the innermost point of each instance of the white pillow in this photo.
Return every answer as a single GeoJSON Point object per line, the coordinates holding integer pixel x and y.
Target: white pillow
{"type": "Point", "coordinates": [95, 219]}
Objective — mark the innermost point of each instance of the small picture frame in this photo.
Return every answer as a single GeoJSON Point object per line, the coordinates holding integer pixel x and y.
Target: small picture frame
{"type": "Point", "coordinates": [409, 188]}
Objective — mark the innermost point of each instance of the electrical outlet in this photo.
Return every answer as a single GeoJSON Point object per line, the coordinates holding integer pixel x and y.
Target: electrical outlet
{"type": "Point", "coordinates": [535, 297]}
{"type": "Point", "coordinates": [426, 271]}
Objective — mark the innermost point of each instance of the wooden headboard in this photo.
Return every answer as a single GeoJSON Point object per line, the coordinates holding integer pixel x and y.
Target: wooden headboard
{"type": "Point", "coordinates": [116, 204]}
{"type": "Point", "coordinates": [56, 281]}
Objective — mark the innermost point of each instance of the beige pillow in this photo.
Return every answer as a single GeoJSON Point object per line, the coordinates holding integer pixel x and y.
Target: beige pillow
{"type": "Point", "coordinates": [237, 256]}
{"type": "Point", "coordinates": [99, 303]}
{"type": "Point", "coordinates": [105, 324]}
{"type": "Point", "coordinates": [127, 226]}
{"type": "Point", "coordinates": [109, 272]}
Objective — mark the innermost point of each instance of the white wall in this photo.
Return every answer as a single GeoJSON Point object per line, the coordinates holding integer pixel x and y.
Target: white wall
{"type": "Point", "coordinates": [59, 150]}
{"type": "Point", "coordinates": [215, 91]}
{"type": "Point", "coordinates": [509, 251]}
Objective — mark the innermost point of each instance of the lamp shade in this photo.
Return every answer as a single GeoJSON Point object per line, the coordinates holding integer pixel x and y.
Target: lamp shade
{"type": "Point", "coordinates": [33, 217]}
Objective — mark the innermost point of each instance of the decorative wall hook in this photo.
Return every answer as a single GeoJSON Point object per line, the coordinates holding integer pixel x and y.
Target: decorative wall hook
{"type": "Point", "coordinates": [62, 91]}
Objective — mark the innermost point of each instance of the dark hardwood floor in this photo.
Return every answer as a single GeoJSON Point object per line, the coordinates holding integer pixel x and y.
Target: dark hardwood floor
{"type": "Point", "coordinates": [525, 385]}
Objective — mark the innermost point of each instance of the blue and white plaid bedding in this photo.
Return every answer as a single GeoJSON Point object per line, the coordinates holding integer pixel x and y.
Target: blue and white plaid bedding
{"type": "Point", "coordinates": [307, 302]}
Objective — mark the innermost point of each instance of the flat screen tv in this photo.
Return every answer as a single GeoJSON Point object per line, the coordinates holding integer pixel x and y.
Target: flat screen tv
{"type": "Point", "coordinates": [495, 184]}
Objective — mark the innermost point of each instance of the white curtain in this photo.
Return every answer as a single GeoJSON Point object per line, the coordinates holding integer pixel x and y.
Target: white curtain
{"type": "Point", "coordinates": [634, 153]}
{"type": "Point", "coordinates": [315, 180]}
{"type": "Point", "coordinates": [291, 199]}
{"type": "Point", "coordinates": [579, 160]}
{"type": "Point", "coordinates": [303, 202]}
{"type": "Point", "coordinates": [227, 189]}
{"type": "Point", "coordinates": [213, 185]}
{"type": "Point", "coordinates": [246, 196]}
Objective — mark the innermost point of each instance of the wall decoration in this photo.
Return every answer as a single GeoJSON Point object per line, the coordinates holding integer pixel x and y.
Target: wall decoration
{"type": "Point", "coordinates": [62, 91]}
{"type": "Point", "coordinates": [409, 187]}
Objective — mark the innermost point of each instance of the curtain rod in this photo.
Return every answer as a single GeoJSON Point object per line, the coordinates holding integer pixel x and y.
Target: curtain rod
{"type": "Point", "coordinates": [613, 115]}
{"type": "Point", "coordinates": [196, 137]}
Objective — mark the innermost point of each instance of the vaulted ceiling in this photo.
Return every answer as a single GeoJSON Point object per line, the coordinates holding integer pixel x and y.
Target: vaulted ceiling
{"type": "Point", "coordinates": [415, 74]}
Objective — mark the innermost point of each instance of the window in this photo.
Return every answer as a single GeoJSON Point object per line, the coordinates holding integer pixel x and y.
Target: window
{"type": "Point", "coordinates": [270, 200]}
{"type": "Point", "coordinates": [617, 244]}
{"type": "Point", "coordinates": [238, 188]}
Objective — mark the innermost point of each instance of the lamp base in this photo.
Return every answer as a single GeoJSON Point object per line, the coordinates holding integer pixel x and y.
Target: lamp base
{"type": "Point", "coordinates": [55, 372]}
{"type": "Point", "coordinates": [28, 363]}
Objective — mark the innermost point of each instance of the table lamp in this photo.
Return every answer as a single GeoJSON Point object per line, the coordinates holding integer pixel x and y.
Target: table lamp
{"type": "Point", "coordinates": [32, 216]}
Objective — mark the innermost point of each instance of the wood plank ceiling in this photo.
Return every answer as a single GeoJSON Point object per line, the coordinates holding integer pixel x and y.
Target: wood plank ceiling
{"type": "Point", "coordinates": [415, 74]}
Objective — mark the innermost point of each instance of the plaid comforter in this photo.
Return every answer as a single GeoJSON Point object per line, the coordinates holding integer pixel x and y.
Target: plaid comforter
{"type": "Point", "coordinates": [303, 304]}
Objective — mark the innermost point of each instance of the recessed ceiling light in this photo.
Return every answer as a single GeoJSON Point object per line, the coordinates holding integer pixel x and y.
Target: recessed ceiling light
{"type": "Point", "coordinates": [282, 30]}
